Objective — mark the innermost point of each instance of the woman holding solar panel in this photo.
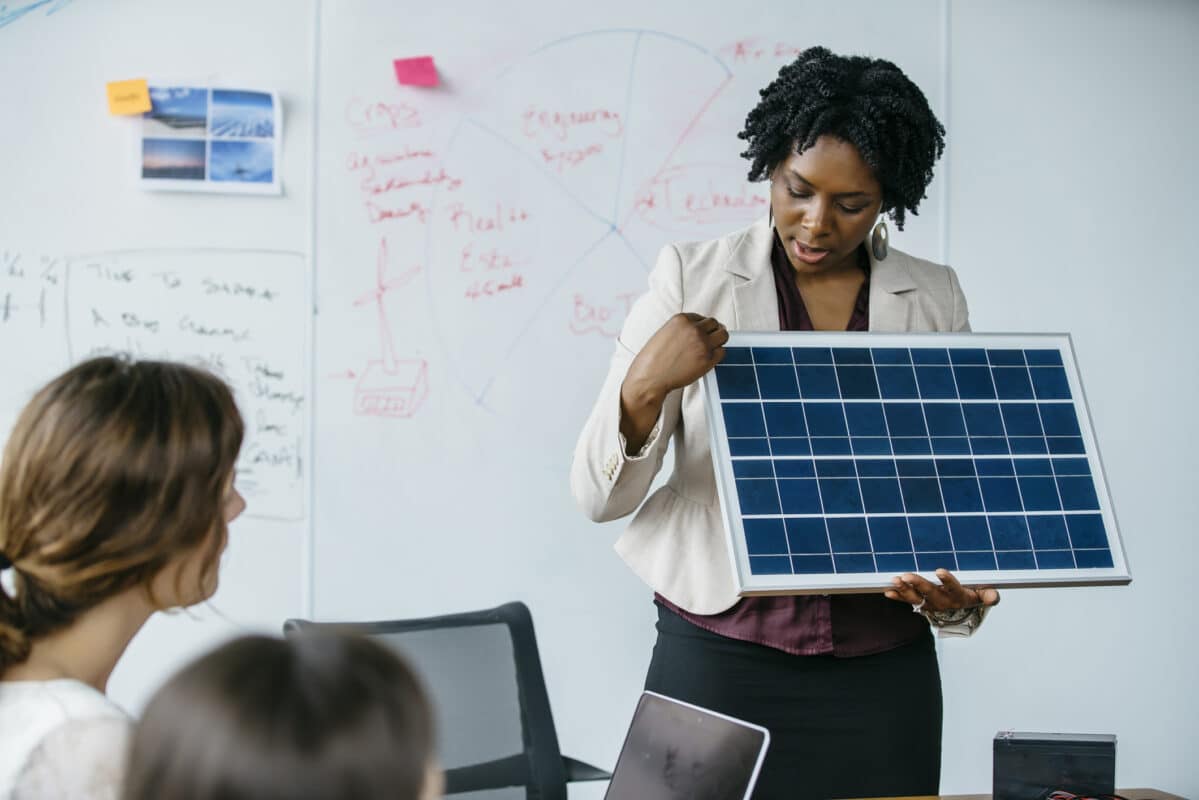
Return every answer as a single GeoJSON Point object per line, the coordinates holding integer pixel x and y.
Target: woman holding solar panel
{"type": "Point", "coordinates": [848, 685]}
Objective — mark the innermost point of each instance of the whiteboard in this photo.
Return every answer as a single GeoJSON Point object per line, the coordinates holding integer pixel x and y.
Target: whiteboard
{"type": "Point", "coordinates": [478, 247]}
{"type": "Point", "coordinates": [91, 263]}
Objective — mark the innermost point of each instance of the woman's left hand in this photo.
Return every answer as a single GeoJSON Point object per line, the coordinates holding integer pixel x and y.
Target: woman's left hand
{"type": "Point", "coordinates": [911, 588]}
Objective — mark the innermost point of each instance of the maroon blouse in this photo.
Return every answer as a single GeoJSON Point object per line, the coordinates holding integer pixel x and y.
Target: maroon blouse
{"type": "Point", "coordinates": [840, 625]}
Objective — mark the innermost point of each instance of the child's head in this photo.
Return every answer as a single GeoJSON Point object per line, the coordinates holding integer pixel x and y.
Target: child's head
{"type": "Point", "coordinates": [321, 715]}
{"type": "Point", "coordinates": [118, 475]}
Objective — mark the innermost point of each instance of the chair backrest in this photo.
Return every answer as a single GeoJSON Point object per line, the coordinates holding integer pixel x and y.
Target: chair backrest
{"type": "Point", "coordinates": [483, 674]}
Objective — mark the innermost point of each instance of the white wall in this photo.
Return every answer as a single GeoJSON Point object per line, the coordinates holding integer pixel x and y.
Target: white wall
{"type": "Point", "coordinates": [1072, 206]}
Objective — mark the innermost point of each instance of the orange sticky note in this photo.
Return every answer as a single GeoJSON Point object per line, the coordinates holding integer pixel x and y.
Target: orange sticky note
{"type": "Point", "coordinates": [128, 97]}
{"type": "Point", "coordinates": [418, 71]}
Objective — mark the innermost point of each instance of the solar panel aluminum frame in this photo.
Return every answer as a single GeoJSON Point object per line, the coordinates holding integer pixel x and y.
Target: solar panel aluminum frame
{"type": "Point", "coordinates": [749, 584]}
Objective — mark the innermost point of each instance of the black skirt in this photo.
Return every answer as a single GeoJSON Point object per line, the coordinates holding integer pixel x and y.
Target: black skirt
{"type": "Point", "coordinates": [868, 726]}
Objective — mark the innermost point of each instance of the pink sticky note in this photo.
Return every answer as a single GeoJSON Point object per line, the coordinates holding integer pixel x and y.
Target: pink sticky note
{"type": "Point", "coordinates": [419, 71]}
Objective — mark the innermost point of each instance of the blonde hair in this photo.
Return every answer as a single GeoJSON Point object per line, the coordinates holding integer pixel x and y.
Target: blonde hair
{"type": "Point", "coordinates": [112, 470]}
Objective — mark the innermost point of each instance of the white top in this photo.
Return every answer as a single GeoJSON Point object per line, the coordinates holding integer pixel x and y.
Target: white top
{"type": "Point", "coordinates": [60, 739]}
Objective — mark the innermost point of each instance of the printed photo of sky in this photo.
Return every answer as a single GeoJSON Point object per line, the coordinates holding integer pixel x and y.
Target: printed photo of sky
{"type": "Point", "coordinates": [242, 161]}
{"type": "Point", "coordinates": [179, 159]}
{"type": "Point", "coordinates": [176, 111]}
{"type": "Point", "coordinates": [237, 113]}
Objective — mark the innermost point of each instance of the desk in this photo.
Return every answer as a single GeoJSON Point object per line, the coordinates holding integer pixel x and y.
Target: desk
{"type": "Point", "coordinates": [1131, 794]}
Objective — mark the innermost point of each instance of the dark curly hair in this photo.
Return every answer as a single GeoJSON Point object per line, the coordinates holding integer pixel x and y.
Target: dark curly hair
{"type": "Point", "coordinates": [867, 102]}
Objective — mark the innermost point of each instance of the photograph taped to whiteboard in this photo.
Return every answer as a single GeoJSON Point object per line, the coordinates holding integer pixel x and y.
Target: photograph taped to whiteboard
{"type": "Point", "coordinates": [205, 139]}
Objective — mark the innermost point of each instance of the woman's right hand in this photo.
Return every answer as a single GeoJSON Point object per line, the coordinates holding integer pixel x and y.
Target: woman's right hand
{"type": "Point", "coordinates": [682, 351]}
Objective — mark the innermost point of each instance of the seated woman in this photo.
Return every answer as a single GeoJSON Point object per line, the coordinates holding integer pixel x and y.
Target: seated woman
{"type": "Point", "coordinates": [328, 716]}
{"type": "Point", "coordinates": [116, 490]}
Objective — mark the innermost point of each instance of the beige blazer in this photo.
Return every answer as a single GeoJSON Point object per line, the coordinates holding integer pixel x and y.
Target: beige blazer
{"type": "Point", "coordinates": [675, 543]}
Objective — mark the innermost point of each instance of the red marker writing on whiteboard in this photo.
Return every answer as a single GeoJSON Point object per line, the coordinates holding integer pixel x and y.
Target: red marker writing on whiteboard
{"type": "Point", "coordinates": [419, 71]}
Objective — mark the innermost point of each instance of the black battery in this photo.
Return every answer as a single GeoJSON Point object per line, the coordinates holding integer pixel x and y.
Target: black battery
{"type": "Point", "coordinates": [1029, 766]}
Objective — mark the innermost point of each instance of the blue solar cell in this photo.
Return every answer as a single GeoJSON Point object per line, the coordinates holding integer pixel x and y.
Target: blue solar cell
{"type": "Point", "coordinates": [790, 446]}
{"type": "Point", "coordinates": [890, 534]}
{"type": "Point", "coordinates": [945, 419]}
{"type": "Point", "coordinates": [895, 563]}
{"type": "Point", "coordinates": [777, 381]}
{"type": "Point", "coordinates": [1039, 494]}
{"type": "Point", "coordinates": [1054, 559]}
{"type": "Point", "coordinates": [921, 495]}
{"type": "Point", "coordinates": [840, 496]}
{"type": "Point", "coordinates": [848, 535]}
{"type": "Point", "coordinates": [1021, 419]}
{"type": "Point", "coordinates": [994, 467]}
{"type": "Point", "coordinates": [817, 382]}
{"type": "Point", "coordinates": [772, 355]}
{"type": "Point", "coordinates": [799, 495]}
{"type": "Point", "coordinates": [892, 355]}
{"type": "Point", "coordinates": [881, 495]}
{"type": "Point", "coordinates": [1059, 419]}
{"type": "Point", "coordinates": [974, 383]}
{"type": "Point", "coordinates": [1071, 466]}
{"type": "Point", "coordinates": [770, 565]}
{"type": "Point", "coordinates": [1028, 445]}
{"type": "Point", "coordinates": [1043, 358]}
{"type": "Point", "coordinates": [916, 468]}
{"type": "Point", "coordinates": [1009, 532]}
{"type": "Point", "coordinates": [1006, 358]}
{"type": "Point", "coordinates": [737, 355]}
{"type": "Point", "coordinates": [752, 468]}
{"type": "Point", "coordinates": [782, 419]}
{"type": "Point", "coordinates": [851, 563]}
{"type": "Point", "coordinates": [812, 355]}
{"type": "Point", "coordinates": [852, 355]}
{"type": "Point", "coordinates": [905, 419]}
{"type": "Point", "coordinates": [1078, 493]}
{"type": "Point", "coordinates": [743, 419]}
{"type": "Point", "coordinates": [955, 467]}
{"type": "Point", "coordinates": [812, 565]}
{"type": "Point", "coordinates": [736, 383]}
{"type": "Point", "coordinates": [757, 496]}
{"type": "Point", "coordinates": [857, 383]}
{"type": "Point", "coordinates": [739, 448]}
{"type": "Point", "coordinates": [1031, 467]}
{"type": "Point", "coordinates": [765, 537]}
{"type": "Point", "coordinates": [876, 468]}
{"type": "Point", "coordinates": [794, 468]}
{"type": "Point", "coordinates": [836, 468]}
{"type": "Point", "coordinates": [910, 446]}
{"type": "Point", "coordinates": [951, 446]}
{"type": "Point", "coordinates": [1086, 530]}
{"type": "Point", "coordinates": [976, 560]}
{"type": "Point", "coordinates": [961, 494]}
{"type": "Point", "coordinates": [825, 419]}
{"type": "Point", "coordinates": [936, 383]}
{"type": "Point", "coordinates": [831, 446]}
{"type": "Point", "coordinates": [1016, 559]}
{"type": "Point", "coordinates": [1048, 532]}
{"type": "Point", "coordinates": [865, 419]}
{"type": "Point", "coordinates": [970, 533]}
{"type": "Point", "coordinates": [932, 561]}
{"type": "Point", "coordinates": [1000, 494]}
{"type": "Point", "coordinates": [870, 445]}
{"type": "Point", "coordinates": [1050, 383]}
{"type": "Point", "coordinates": [930, 355]}
{"type": "Point", "coordinates": [897, 383]}
{"type": "Point", "coordinates": [807, 535]}
{"type": "Point", "coordinates": [930, 534]}
{"type": "Point", "coordinates": [983, 419]}
{"type": "Point", "coordinates": [1012, 383]}
{"type": "Point", "coordinates": [1065, 445]}
{"type": "Point", "coordinates": [1093, 558]}
{"type": "Point", "coordinates": [989, 445]}
{"type": "Point", "coordinates": [968, 355]}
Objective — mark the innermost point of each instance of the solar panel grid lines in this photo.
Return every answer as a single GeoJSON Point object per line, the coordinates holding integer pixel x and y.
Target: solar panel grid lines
{"type": "Point", "coordinates": [843, 459]}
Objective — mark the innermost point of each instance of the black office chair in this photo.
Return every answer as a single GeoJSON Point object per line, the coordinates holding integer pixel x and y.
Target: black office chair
{"type": "Point", "coordinates": [483, 673]}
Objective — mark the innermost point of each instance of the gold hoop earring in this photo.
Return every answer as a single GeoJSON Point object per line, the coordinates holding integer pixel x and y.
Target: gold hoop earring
{"type": "Point", "coordinates": [879, 241]}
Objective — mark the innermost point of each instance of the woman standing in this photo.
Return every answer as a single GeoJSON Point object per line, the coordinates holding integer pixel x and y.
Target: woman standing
{"type": "Point", "coordinates": [847, 685]}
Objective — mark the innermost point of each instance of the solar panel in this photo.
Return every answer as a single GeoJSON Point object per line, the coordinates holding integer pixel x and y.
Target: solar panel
{"type": "Point", "coordinates": [843, 459]}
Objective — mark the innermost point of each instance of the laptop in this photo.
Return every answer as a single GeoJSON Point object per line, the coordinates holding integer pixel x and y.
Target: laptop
{"type": "Point", "coordinates": [677, 751]}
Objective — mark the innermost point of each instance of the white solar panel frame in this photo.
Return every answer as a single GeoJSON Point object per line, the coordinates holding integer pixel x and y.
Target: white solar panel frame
{"type": "Point", "coordinates": [748, 584]}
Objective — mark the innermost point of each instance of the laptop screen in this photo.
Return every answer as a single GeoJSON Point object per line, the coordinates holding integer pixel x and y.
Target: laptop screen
{"type": "Point", "coordinates": [677, 751]}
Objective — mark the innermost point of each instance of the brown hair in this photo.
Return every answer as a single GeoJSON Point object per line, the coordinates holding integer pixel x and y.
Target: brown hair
{"type": "Point", "coordinates": [321, 715]}
{"type": "Point", "coordinates": [112, 470]}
